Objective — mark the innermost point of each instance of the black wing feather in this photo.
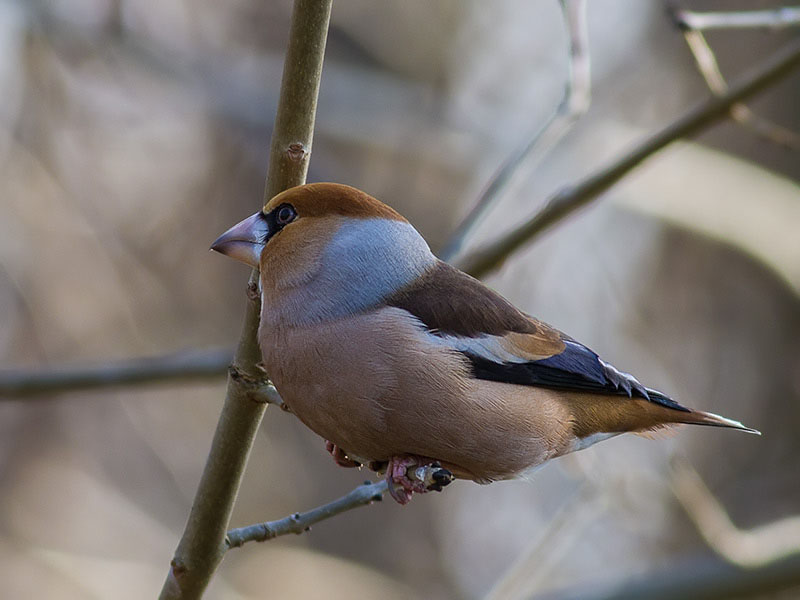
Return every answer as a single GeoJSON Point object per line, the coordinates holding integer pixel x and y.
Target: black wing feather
{"type": "Point", "coordinates": [576, 368]}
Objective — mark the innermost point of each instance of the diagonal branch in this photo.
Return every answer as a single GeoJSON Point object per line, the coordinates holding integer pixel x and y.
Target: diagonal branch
{"type": "Point", "coordinates": [202, 546]}
{"type": "Point", "coordinates": [746, 548]}
{"type": "Point", "coordinates": [429, 475]}
{"type": "Point", "coordinates": [523, 578]}
{"type": "Point", "coordinates": [363, 495]}
{"type": "Point", "coordinates": [571, 198]}
{"type": "Point", "coordinates": [574, 104]}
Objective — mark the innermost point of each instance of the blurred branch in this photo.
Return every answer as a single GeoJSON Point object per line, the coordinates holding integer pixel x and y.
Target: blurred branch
{"type": "Point", "coordinates": [524, 576]}
{"type": "Point", "coordinates": [745, 548]}
{"type": "Point", "coordinates": [184, 366]}
{"type": "Point", "coordinates": [696, 579]}
{"type": "Point", "coordinates": [363, 495]}
{"type": "Point", "coordinates": [574, 104]}
{"type": "Point", "coordinates": [741, 113]}
{"type": "Point", "coordinates": [767, 559]}
{"type": "Point", "coordinates": [571, 198]}
{"type": "Point", "coordinates": [170, 368]}
{"type": "Point", "coordinates": [777, 18]}
{"type": "Point", "coordinates": [202, 546]}
{"type": "Point", "coordinates": [709, 68]}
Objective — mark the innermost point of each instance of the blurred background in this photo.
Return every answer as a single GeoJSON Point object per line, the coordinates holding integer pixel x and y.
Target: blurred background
{"type": "Point", "coordinates": [133, 132]}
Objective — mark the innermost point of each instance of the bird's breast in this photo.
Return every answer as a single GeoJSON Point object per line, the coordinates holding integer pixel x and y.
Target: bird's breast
{"type": "Point", "coordinates": [348, 379]}
{"type": "Point", "coordinates": [378, 385]}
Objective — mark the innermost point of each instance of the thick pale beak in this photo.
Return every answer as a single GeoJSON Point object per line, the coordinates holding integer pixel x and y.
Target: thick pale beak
{"type": "Point", "coordinates": [244, 241]}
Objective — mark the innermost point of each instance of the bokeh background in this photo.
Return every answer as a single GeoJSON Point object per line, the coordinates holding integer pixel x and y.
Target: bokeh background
{"type": "Point", "coordinates": [133, 132]}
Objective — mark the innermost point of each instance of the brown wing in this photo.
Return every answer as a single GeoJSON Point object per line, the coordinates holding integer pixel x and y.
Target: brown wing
{"type": "Point", "coordinates": [504, 344]}
{"type": "Point", "coordinates": [450, 302]}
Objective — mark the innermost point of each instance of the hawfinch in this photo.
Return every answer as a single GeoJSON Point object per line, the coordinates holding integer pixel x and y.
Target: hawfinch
{"type": "Point", "coordinates": [401, 361]}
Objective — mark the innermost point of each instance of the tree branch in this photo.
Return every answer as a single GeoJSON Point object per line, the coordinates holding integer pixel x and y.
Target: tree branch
{"type": "Point", "coordinates": [298, 523]}
{"type": "Point", "coordinates": [701, 578]}
{"type": "Point", "coordinates": [183, 366]}
{"type": "Point", "coordinates": [571, 198]}
{"type": "Point", "coordinates": [574, 104]}
{"type": "Point", "coordinates": [746, 548]}
{"type": "Point", "coordinates": [696, 579]}
{"type": "Point", "coordinates": [523, 578]}
{"type": "Point", "coordinates": [786, 16]}
{"type": "Point", "coordinates": [202, 546]}
{"type": "Point", "coordinates": [709, 68]}
{"type": "Point", "coordinates": [430, 475]}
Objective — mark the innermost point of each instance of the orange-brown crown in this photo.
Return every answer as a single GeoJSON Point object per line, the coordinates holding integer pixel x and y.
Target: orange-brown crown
{"type": "Point", "coordinates": [332, 199]}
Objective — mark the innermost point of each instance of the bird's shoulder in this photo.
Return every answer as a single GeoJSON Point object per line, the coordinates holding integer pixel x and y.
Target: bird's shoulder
{"type": "Point", "coordinates": [451, 303]}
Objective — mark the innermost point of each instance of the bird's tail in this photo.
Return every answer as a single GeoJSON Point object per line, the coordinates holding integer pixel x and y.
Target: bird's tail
{"type": "Point", "coordinates": [697, 417]}
{"type": "Point", "coordinates": [681, 414]}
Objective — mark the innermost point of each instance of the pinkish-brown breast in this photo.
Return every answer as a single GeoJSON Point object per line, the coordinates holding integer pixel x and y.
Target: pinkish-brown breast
{"type": "Point", "coordinates": [377, 385]}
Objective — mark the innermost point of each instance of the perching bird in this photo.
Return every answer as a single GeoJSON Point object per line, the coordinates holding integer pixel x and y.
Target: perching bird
{"type": "Point", "coordinates": [399, 360]}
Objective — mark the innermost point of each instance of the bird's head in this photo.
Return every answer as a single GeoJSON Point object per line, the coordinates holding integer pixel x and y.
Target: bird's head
{"type": "Point", "coordinates": [338, 244]}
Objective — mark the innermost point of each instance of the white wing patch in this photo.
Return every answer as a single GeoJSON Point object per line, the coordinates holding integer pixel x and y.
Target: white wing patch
{"type": "Point", "coordinates": [490, 347]}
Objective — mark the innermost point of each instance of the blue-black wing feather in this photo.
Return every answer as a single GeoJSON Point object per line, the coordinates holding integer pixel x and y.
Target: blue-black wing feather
{"type": "Point", "coordinates": [576, 368]}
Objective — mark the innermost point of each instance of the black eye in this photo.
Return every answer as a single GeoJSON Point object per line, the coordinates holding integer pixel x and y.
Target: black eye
{"type": "Point", "coordinates": [285, 215]}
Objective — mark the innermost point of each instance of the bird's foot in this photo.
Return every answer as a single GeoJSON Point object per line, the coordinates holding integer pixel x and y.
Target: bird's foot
{"type": "Point", "coordinates": [409, 474]}
{"type": "Point", "coordinates": [339, 456]}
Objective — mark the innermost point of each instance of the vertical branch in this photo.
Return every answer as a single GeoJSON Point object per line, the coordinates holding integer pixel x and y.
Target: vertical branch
{"type": "Point", "coordinates": [297, 108]}
{"type": "Point", "coordinates": [202, 546]}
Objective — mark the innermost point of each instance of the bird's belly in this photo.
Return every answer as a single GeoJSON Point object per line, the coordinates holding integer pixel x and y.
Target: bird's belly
{"type": "Point", "coordinates": [376, 386]}
{"type": "Point", "coordinates": [337, 379]}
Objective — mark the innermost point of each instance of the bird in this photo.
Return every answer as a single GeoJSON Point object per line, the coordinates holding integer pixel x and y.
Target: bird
{"type": "Point", "coordinates": [404, 363]}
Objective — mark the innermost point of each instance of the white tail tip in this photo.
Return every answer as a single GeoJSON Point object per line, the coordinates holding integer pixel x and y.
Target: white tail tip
{"type": "Point", "coordinates": [726, 422]}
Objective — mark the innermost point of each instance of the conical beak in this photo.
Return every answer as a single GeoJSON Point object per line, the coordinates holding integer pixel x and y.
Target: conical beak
{"type": "Point", "coordinates": [244, 241]}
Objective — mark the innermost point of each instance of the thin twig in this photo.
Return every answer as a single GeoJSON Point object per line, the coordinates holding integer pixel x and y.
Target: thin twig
{"type": "Point", "coordinates": [202, 545]}
{"type": "Point", "coordinates": [786, 16]}
{"type": "Point", "coordinates": [298, 523]}
{"type": "Point", "coordinates": [574, 104]}
{"type": "Point", "coordinates": [747, 548]}
{"type": "Point", "coordinates": [707, 65]}
{"type": "Point", "coordinates": [523, 577]}
{"type": "Point", "coordinates": [571, 198]}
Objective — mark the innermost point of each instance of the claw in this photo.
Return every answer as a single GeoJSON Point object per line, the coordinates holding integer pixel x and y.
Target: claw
{"type": "Point", "coordinates": [407, 475]}
{"type": "Point", "coordinates": [441, 478]}
{"type": "Point", "coordinates": [339, 456]}
{"type": "Point", "coordinates": [433, 476]}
